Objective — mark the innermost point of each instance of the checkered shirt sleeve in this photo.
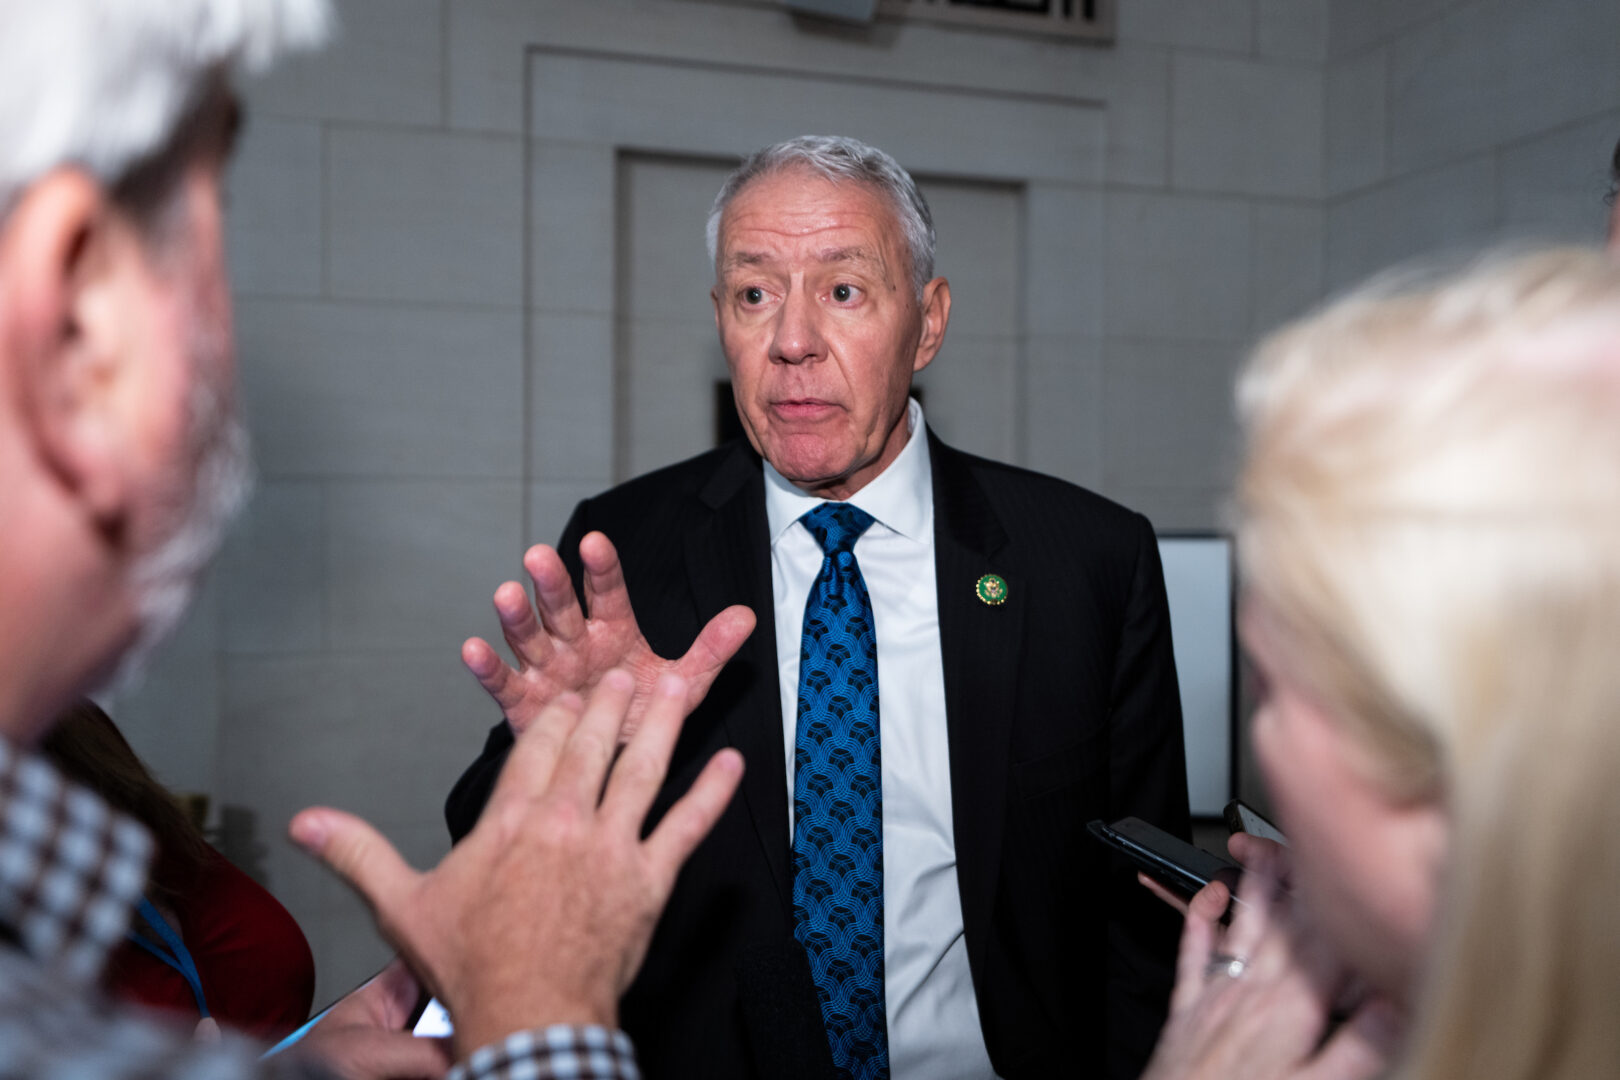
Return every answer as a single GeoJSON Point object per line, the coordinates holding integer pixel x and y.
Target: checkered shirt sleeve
{"type": "Point", "coordinates": [71, 868]}
{"type": "Point", "coordinates": [559, 1052]}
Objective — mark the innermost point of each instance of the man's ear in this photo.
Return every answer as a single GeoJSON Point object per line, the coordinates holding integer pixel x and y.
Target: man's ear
{"type": "Point", "coordinates": [71, 264]}
{"type": "Point", "coordinates": [936, 315]}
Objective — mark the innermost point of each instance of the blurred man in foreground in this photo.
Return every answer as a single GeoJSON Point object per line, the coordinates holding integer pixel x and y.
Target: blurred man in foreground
{"type": "Point", "coordinates": [121, 459]}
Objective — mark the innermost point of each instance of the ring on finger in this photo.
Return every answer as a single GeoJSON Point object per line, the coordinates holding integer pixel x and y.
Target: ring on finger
{"type": "Point", "coordinates": [1232, 967]}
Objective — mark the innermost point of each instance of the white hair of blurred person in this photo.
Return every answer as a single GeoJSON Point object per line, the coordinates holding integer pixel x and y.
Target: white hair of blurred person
{"type": "Point", "coordinates": [102, 85]}
{"type": "Point", "coordinates": [1429, 523]}
{"type": "Point", "coordinates": [133, 95]}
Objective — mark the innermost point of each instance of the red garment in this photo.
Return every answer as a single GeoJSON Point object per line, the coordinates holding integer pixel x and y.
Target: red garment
{"type": "Point", "coordinates": [256, 968]}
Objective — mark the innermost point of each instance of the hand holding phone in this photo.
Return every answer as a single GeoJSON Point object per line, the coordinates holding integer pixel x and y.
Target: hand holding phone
{"type": "Point", "coordinates": [1172, 862]}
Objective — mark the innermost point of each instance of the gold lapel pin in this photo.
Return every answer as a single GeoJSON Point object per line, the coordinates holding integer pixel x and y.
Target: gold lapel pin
{"type": "Point", "coordinates": [992, 589]}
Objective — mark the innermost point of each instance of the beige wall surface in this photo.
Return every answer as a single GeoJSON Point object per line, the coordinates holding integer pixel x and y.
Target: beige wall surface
{"type": "Point", "coordinates": [471, 289]}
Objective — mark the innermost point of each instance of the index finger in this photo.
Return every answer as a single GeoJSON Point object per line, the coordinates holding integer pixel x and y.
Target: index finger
{"type": "Point", "coordinates": [644, 762]}
{"type": "Point", "coordinates": [1198, 938]}
{"type": "Point", "coordinates": [1161, 892]}
{"type": "Point", "coordinates": [536, 750]}
{"type": "Point", "coordinates": [1257, 894]}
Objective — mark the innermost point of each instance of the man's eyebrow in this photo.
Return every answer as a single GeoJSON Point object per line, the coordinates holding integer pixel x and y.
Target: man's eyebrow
{"type": "Point", "coordinates": [852, 254]}
{"type": "Point", "coordinates": [849, 254]}
{"type": "Point", "coordinates": [744, 258]}
{"type": "Point", "coordinates": [859, 256]}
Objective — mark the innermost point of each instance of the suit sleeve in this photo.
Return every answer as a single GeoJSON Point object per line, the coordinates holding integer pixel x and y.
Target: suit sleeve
{"type": "Point", "coordinates": [467, 798]}
{"type": "Point", "coordinates": [1148, 779]}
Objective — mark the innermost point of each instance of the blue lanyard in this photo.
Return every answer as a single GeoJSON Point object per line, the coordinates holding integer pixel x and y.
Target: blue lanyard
{"type": "Point", "coordinates": [299, 1034]}
{"type": "Point", "coordinates": [169, 949]}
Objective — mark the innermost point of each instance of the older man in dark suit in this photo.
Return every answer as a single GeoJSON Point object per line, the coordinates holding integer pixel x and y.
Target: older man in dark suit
{"type": "Point", "coordinates": [958, 664]}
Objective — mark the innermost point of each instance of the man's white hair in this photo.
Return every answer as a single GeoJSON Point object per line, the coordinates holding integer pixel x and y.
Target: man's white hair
{"type": "Point", "coordinates": [103, 84]}
{"type": "Point", "coordinates": [839, 158]}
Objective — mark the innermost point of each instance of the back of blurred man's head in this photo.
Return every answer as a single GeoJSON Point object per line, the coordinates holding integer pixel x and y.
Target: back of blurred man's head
{"type": "Point", "coordinates": [121, 457]}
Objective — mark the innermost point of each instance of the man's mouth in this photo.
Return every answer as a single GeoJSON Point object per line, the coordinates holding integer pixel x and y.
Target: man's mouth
{"type": "Point", "coordinates": [805, 408]}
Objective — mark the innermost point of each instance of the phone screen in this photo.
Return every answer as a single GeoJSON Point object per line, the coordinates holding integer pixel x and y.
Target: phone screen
{"type": "Point", "coordinates": [434, 1023]}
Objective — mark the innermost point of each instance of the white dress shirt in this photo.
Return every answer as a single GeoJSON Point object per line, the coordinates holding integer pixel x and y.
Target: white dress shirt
{"type": "Point", "coordinates": [933, 1018]}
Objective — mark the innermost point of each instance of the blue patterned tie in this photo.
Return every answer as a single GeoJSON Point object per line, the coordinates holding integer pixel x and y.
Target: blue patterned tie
{"type": "Point", "coordinates": [838, 800]}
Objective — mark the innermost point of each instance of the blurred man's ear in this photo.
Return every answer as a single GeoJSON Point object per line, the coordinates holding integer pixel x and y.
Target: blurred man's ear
{"type": "Point", "coordinates": [77, 307]}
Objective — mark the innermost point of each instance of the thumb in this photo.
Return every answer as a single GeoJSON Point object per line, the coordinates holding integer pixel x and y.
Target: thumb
{"type": "Point", "coordinates": [358, 853]}
{"type": "Point", "coordinates": [716, 645]}
{"type": "Point", "coordinates": [396, 993]}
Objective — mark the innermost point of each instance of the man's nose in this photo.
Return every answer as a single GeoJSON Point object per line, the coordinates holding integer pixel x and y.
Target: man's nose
{"type": "Point", "coordinates": [798, 336]}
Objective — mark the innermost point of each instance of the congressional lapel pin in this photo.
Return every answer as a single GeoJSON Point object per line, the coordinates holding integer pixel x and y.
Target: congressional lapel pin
{"type": "Point", "coordinates": [992, 589]}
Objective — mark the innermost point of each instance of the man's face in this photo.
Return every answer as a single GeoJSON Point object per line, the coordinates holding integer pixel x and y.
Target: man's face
{"type": "Point", "coordinates": [821, 327]}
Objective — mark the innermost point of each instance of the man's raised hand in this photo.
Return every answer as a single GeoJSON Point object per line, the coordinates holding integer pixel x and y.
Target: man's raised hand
{"type": "Point", "coordinates": [543, 913]}
{"type": "Point", "coordinates": [558, 649]}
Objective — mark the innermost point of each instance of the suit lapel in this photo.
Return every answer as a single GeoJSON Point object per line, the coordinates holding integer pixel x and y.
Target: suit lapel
{"type": "Point", "coordinates": [980, 644]}
{"type": "Point", "coordinates": [728, 561]}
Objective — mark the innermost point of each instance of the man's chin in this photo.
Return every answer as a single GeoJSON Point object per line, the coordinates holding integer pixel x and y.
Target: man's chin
{"type": "Point", "coordinates": [164, 581]}
{"type": "Point", "coordinates": [808, 462]}
{"type": "Point", "coordinates": [162, 610]}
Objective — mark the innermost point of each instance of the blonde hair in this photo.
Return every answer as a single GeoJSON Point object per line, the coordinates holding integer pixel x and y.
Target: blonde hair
{"type": "Point", "coordinates": [1430, 508]}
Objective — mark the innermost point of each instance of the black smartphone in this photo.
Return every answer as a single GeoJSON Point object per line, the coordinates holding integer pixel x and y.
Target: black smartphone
{"type": "Point", "coordinates": [1241, 817]}
{"type": "Point", "coordinates": [1173, 863]}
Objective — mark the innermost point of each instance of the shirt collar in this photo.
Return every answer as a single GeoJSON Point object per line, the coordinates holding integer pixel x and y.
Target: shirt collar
{"type": "Point", "coordinates": [901, 497]}
{"type": "Point", "coordinates": [71, 867]}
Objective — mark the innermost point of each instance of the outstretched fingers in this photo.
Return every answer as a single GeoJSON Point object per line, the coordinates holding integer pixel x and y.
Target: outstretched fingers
{"type": "Point", "coordinates": [692, 816]}
{"type": "Point", "coordinates": [605, 590]}
{"type": "Point", "coordinates": [359, 854]}
{"type": "Point", "coordinates": [644, 762]}
{"type": "Point", "coordinates": [713, 649]}
{"type": "Point", "coordinates": [534, 756]}
{"type": "Point", "coordinates": [586, 756]}
{"type": "Point", "coordinates": [499, 681]}
{"type": "Point", "coordinates": [559, 608]}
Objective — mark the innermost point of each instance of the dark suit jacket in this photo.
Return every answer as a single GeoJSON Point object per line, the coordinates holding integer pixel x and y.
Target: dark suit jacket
{"type": "Point", "coordinates": [1061, 707]}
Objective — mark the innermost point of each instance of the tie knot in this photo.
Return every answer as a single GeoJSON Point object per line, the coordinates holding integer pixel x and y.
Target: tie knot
{"type": "Point", "coordinates": [836, 526]}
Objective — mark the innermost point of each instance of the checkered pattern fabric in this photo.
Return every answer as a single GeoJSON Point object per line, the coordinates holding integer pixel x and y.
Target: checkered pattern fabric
{"type": "Point", "coordinates": [560, 1052]}
{"type": "Point", "coordinates": [51, 1027]}
{"type": "Point", "coordinates": [70, 868]}
{"type": "Point", "coordinates": [71, 871]}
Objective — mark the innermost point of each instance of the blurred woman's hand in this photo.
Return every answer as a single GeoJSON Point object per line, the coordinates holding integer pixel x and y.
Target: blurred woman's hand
{"type": "Point", "coordinates": [1253, 1002]}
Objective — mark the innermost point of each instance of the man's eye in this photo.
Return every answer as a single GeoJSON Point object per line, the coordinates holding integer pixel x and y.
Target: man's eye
{"type": "Point", "coordinates": [753, 295]}
{"type": "Point", "coordinates": [843, 293]}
